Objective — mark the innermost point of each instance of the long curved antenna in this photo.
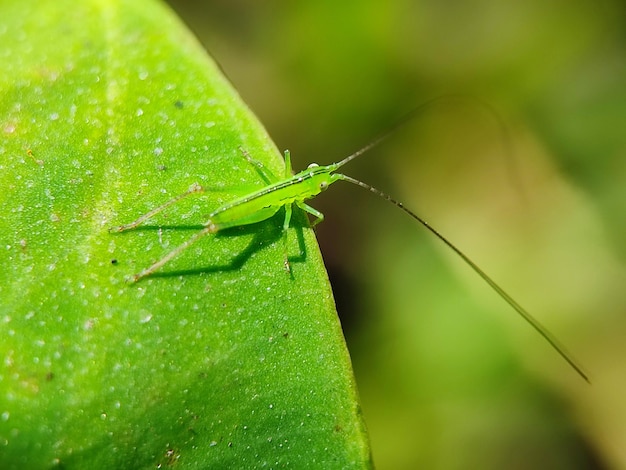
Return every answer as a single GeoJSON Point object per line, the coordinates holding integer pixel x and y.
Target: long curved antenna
{"type": "Point", "coordinates": [517, 307]}
{"type": "Point", "coordinates": [415, 111]}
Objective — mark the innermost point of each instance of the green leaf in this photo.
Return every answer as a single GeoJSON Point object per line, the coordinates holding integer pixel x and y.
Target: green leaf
{"type": "Point", "coordinates": [108, 109]}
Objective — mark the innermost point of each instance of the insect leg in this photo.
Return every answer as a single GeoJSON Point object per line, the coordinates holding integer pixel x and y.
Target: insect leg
{"type": "Point", "coordinates": [175, 252]}
{"type": "Point", "coordinates": [288, 171]}
{"type": "Point", "coordinates": [288, 212]}
{"type": "Point", "coordinates": [265, 174]}
{"type": "Point", "coordinates": [313, 211]}
{"type": "Point", "coordinates": [194, 188]}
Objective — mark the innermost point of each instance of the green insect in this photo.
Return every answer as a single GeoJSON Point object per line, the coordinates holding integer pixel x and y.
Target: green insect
{"type": "Point", "coordinates": [295, 189]}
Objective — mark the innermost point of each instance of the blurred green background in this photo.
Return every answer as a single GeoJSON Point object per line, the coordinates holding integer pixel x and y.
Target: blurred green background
{"type": "Point", "coordinates": [449, 377]}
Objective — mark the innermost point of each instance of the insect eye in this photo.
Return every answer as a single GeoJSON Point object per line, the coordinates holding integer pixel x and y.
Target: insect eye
{"type": "Point", "coordinates": [313, 165]}
{"type": "Point", "coordinates": [323, 185]}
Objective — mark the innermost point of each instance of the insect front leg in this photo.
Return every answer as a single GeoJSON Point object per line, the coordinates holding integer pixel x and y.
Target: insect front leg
{"type": "Point", "coordinates": [313, 211]}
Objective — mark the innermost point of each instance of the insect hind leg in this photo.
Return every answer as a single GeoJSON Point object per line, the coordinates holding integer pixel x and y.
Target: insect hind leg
{"type": "Point", "coordinates": [175, 252]}
{"type": "Point", "coordinates": [193, 189]}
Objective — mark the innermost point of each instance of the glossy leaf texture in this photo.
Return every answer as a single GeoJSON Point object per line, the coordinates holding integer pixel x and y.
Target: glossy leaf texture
{"type": "Point", "coordinates": [222, 359]}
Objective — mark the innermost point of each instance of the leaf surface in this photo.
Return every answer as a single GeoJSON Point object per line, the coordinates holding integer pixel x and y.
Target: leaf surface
{"type": "Point", "coordinates": [107, 110]}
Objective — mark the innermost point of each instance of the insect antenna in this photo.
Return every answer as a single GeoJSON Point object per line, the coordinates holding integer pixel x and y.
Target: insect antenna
{"type": "Point", "coordinates": [408, 117]}
{"type": "Point", "coordinates": [543, 331]}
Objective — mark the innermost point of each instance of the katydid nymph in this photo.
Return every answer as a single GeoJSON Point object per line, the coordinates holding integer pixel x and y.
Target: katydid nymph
{"type": "Point", "coordinates": [290, 190]}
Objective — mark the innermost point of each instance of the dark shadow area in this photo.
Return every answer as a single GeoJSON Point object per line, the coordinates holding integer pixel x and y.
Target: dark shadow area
{"type": "Point", "coordinates": [263, 234]}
